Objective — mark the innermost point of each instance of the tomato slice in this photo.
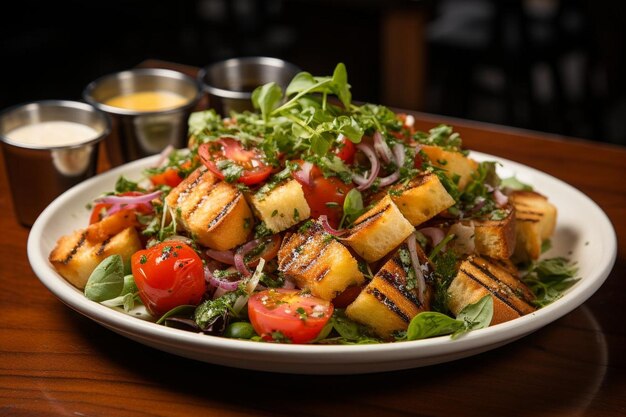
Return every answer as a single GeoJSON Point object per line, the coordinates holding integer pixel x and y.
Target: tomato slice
{"type": "Point", "coordinates": [290, 314]}
{"type": "Point", "coordinates": [324, 195]}
{"type": "Point", "coordinates": [345, 150]}
{"type": "Point", "coordinates": [168, 274]}
{"type": "Point", "coordinates": [252, 168]}
{"type": "Point", "coordinates": [169, 177]}
{"type": "Point", "coordinates": [269, 250]}
{"type": "Point", "coordinates": [99, 210]}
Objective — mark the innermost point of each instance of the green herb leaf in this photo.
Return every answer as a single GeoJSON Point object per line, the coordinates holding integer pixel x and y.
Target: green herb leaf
{"type": "Point", "coordinates": [124, 185]}
{"type": "Point", "coordinates": [512, 183]}
{"type": "Point", "coordinates": [430, 324]}
{"type": "Point", "coordinates": [107, 279]}
{"type": "Point", "coordinates": [352, 206]}
{"type": "Point", "coordinates": [477, 315]}
{"type": "Point", "coordinates": [341, 86]}
{"type": "Point", "coordinates": [549, 278]}
{"type": "Point", "coordinates": [266, 98]}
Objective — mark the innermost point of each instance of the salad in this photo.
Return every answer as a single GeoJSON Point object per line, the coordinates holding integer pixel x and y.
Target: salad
{"type": "Point", "coordinates": [318, 220]}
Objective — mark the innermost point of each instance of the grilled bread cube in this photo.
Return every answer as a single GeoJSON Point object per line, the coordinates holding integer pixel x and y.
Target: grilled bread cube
{"type": "Point", "coordinates": [496, 238]}
{"type": "Point", "coordinates": [421, 199]}
{"type": "Point", "coordinates": [535, 220]}
{"type": "Point", "coordinates": [318, 262]}
{"type": "Point", "coordinates": [390, 300]}
{"type": "Point", "coordinates": [478, 277]}
{"type": "Point", "coordinates": [76, 255]}
{"type": "Point", "coordinates": [282, 207]}
{"type": "Point", "coordinates": [454, 163]}
{"type": "Point", "coordinates": [214, 212]}
{"type": "Point", "coordinates": [380, 230]}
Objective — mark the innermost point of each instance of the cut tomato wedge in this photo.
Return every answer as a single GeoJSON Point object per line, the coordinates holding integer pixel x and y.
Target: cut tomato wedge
{"type": "Point", "coordinates": [288, 315]}
{"type": "Point", "coordinates": [229, 161]}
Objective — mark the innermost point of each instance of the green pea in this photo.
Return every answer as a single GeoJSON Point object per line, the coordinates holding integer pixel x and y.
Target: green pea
{"type": "Point", "coordinates": [239, 330]}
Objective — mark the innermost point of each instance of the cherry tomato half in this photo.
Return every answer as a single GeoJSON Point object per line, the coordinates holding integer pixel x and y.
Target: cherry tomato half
{"type": "Point", "coordinates": [167, 275]}
{"type": "Point", "coordinates": [298, 317]}
{"type": "Point", "coordinates": [254, 170]}
{"type": "Point", "coordinates": [324, 195]}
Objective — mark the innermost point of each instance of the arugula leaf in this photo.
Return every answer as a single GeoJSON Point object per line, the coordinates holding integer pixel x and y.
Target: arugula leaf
{"type": "Point", "coordinates": [341, 86]}
{"type": "Point", "coordinates": [266, 98]}
{"type": "Point", "coordinates": [107, 279]}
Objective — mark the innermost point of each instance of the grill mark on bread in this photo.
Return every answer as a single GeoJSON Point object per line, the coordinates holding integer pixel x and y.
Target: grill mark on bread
{"type": "Point", "coordinates": [320, 253]}
{"type": "Point", "coordinates": [102, 247]}
{"type": "Point", "coordinates": [363, 223]}
{"type": "Point", "coordinates": [519, 295]}
{"type": "Point", "coordinates": [223, 212]}
{"type": "Point", "coordinates": [319, 277]}
{"type": "Point", "coordinates": [199, 203]}
{"type": "Point", "coordinates": [399, 281]}
{"type": "Point", "coordinates": [81, 241]}
{"type": "Point", "coordinates": [387, 302]}
{"type": "Point", "coordinates": [492, 291]}
{"type": "Point", "coordinates": [188, 189]}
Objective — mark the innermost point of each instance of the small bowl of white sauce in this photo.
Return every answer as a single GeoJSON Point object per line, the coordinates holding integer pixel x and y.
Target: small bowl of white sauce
{"type": "Point", "coordinates": [49, 146]}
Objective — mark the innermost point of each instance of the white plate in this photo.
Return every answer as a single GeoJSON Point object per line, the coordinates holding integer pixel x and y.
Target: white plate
{"type": "Point", "coordinates": [583, 234]}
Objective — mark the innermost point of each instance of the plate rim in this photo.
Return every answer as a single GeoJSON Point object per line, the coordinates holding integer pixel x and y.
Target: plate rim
{"type": "Point", "coordinates": [294, 357]}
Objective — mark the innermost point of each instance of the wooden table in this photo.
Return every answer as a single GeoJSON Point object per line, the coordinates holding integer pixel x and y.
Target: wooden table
{"type": "Point", "coordinates": [55, 362]}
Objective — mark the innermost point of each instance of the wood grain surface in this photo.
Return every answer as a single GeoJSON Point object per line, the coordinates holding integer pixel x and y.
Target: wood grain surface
{"type": "Point", "coordinates": [55, 362]}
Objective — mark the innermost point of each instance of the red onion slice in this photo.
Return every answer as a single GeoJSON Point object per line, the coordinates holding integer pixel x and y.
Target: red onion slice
{"type": "Point", "coordinates": [382, 149]}
{"type": "Point", "coordinates": [363, 182]}
{"type": "Point", "coordinates": [417, 267]}
{"type": "Point", "coordinates": [240, 254]}
{"type": "Point", "coordinates": [129, 199]}
{"type": "Point", "coordinates": [435, 234]}
{"type": "Point", "coordinates": [323, 219]}
{"type": "Point", "coordinates": [220, 283]}
{"type": "Point", "coordinates": [163, 155]}
{"type": "Point", "coordinates": [390, 179]}
{"type": "Point", "coordinates": [251, 285]}
{"type": "Point", "coordinates": [303, 175]}
{"type": "Point", "coordinates": [398, 153]}
{"type": "Point", "coordinates": [223, 256]}
{"type": "Point", "coordinates": [500, 199]}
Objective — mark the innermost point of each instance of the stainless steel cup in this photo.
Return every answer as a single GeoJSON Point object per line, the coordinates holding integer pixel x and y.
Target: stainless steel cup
{"type": "Point", "coordinates": [37, 174]}
{"type": "Point", "coordinates": [137, 134]}
{"type": "Point", "coordinates": [229, 84]}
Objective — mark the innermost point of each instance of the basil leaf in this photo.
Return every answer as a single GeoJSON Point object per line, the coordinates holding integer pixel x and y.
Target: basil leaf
{"type": "Point", "coordinates": [127, 301]}
{"type": "Point", "coordinates": [129, 285]}
{"type": "Point", "coordinates": [477, 315]}
{"type": "Point", "coordinates": [431, 323]}
{"type": "Point", "coordinates": [107, 280]}
{"type": "Point", "coordinates": [266, 98]}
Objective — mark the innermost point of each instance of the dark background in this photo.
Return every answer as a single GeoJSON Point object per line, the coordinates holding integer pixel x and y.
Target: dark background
{"type": "Point", "coordinates": [547, 65]}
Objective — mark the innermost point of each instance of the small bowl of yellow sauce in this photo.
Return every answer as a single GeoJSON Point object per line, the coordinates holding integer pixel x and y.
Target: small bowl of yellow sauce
{"type": "Point", "coordinates": [149, 108]}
